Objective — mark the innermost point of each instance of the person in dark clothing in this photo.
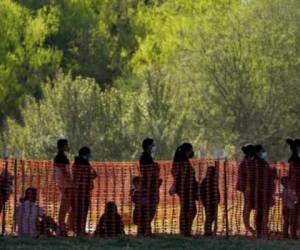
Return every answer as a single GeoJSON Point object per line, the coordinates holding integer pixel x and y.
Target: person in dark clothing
{"type": "Point", "coordinates": [83, 176]}
{"type": "Point", "coordinates": [264, 189]}
{"type": "Point", "coordinates": [110, 223]}
{"type": "Point", "coordinates": [64, 181]}
{"type": "Point", "coordinates": [294, 176]}
{"type": "Point", "coordinates": [289, 203]}
{"type": "Point", "coordinates": [136, 193]}
{"type": "Point", "coordinates": [185, 186]}
{"type": "Point", "coordinates": [210, 198]}
{"type": "Point", "coordinates": [245, 183]}
{"type": "Point", "coordinates": [6, 187]}
{"type": "Point", "coordinates": [146, 205]}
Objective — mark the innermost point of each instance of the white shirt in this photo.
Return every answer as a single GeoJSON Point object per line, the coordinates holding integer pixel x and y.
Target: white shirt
{"type": "Point", "coordinates": [27, 215]}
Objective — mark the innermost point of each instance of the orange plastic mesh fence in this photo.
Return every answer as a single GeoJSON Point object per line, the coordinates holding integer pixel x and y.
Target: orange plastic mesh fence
{"type": "Point", "coordinates": [109, 198]}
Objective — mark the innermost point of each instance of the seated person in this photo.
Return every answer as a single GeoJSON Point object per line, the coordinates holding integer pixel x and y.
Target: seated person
{"type": "Point", "coordinates": [31, 219]}
{"type": "Point", "coordinates": [110, 223]}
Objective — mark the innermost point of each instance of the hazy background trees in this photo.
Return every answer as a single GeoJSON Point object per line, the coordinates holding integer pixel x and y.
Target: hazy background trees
{"type": "Point", "coordinates": [108, 73]}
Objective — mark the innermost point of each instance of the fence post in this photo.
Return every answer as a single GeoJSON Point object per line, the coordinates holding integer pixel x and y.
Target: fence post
{"type": "Point", "coordinates": [226, 197]}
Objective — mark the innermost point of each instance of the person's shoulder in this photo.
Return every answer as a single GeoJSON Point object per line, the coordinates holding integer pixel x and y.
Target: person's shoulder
{"type": "Point", "coordinates": [146, 159]}
{"type": "Point", "coordinates": [61, 158]}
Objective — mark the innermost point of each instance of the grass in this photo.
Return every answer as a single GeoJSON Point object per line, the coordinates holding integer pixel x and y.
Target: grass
{"type": "Point", "coordinates": [169, 242]}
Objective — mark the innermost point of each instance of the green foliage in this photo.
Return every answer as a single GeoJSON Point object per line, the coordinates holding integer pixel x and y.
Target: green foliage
{"type": "Point", "coordinates": [24, 60]}
{"type": "Point", "coordinates": [216, 73]}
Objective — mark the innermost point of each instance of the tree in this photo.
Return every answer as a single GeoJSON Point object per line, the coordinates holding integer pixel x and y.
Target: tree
{"type": "Point", "coordinates": [245, 63]}
{"type": "Point", "coordinates": [25, 61]}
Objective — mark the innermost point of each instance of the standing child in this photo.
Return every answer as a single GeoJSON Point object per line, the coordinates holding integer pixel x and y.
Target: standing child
{"type": "Point", "coordinates": [135, 194]}
{"type": "Point", "coordinates": [210, 198]}
{"type": "Point", "coordinates": [110, 223]}
{"type": "Point", "coordinates": [289, 203]}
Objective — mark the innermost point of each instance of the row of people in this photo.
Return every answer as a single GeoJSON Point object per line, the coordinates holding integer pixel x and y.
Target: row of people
{"type": "Point", "coordinates": [256, 180]}
{"type": "Point", "coordinates": [75, 187]}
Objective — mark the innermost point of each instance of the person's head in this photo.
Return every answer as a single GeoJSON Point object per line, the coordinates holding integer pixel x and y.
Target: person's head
{"type": "Point", "coordinates": [111, 208]}
{"type": "Point", "coordinates": [248, 150]}
{"type": "Point", "coordinates": [187, 149]}
{"type": "Point", "coordinates": [137, 182]}
{"type": "Point", "coordinates": [63, 145]}
{"type": "Point", "coordinates": [294, 146]}
{"type": "Point", "coordinates": [183, 152]}
{"type": "Point", "coordinates": [260, 152]}
{"type": "Point", "coordinates": [85, 153]}
{"type": "Point", "coordinates": [31, 194]}
{"type": "Point", "coordinates": [148, 146]}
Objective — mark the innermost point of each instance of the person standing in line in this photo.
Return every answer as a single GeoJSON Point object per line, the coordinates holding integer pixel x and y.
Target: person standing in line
{"type": "Point", "coordinates": [63, 178]}
{"type": "Point", "coordinates": [210, 198]}
{"type": "Point", "coordinates": [185, 186]}
{"type": "Point", "coordinates": [289, 203]}
{"type": "Point", "coordinates": [294, 176]}
{"type": "Point", "coordinates": [83, 176]}
{"type": "Point", "coordinates": [264, 190]}
{"type": "Point", "coordinates": [245, 182]}
{"type": "Point", "coordinates": [150, 184]}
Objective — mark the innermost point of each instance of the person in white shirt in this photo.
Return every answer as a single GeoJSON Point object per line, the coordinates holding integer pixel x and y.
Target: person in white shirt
{"type": "Point", "coordinates": [28, 214]}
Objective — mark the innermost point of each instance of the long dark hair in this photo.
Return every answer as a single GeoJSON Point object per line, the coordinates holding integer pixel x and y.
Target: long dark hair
{"type": "Point", "coordinates": [180, 153]}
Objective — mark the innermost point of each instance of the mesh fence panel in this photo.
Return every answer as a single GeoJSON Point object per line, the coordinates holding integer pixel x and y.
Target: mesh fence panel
{"type": "Point", "coordinates": [224, 195]}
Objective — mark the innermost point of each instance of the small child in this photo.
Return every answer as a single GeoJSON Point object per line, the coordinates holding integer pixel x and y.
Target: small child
{"type": "Point", "coordinates": [289, 203]}
{"type": "Point", "coordinates": [31, 219]}
{"type": "Point", "coordinates": [136, 195]}
{"type": "Point", "coordinates": [110, 223]}
{"type": "Point", "coordinates": [210, 198]}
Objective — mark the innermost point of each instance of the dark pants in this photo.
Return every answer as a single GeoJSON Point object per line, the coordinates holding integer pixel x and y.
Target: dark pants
{"type": "Point", "coordinates": [188, 212]}
{"type": "Point", "coordinates": [143, 215]}
{"type": "Point", "coordinates": [294, 221]}
{"type": "Point", "coordinates": [80, 209]}
{"type": "Point", "coordinates": [211, 214]}
{"type": "Point", "coordinates": [262, 219]}
{"type": "Point", "coordinates": [290, 222]}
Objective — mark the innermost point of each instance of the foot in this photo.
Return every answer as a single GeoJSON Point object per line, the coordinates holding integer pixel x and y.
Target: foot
{"type": "Point", "coordinates": [251, 230]}
{"type": "Point", "coordinates": [208, 234]}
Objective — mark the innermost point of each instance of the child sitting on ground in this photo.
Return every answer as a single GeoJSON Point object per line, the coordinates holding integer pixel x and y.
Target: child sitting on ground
{"type": "Point", "coordinates": [289, 203]}
{"type": "Point", "coordinates": [110, 223]}
{"type": "Point", "coordinates": [31, 219]}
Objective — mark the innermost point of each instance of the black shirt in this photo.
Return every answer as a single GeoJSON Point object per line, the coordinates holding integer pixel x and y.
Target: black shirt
{"type": "Point", "coordinates": [61, 159]}
{"type": "Point", "coordinates": [150, 177]}
{"type": "Point", "coordinates": [146, 159]}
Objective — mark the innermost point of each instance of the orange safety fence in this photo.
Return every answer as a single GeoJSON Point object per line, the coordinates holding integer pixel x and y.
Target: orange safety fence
{"type": "Point", "coordinates": [215, 202]}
